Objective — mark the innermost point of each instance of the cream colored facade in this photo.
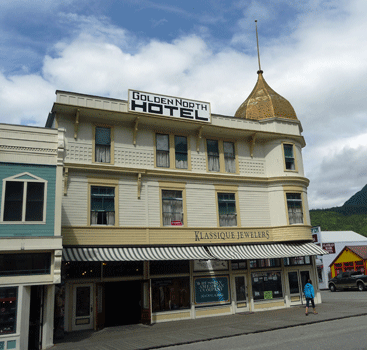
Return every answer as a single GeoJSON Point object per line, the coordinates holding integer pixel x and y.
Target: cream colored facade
{"type": "Point", "coordinates": [30, 155]}
{"type": "Point", "coordinates": [259, 184]}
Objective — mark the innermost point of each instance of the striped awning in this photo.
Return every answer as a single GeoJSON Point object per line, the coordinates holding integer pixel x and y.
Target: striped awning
{"type": "Point", "coordinates": [265, 251]}
{"type": "Point", "coordinates": [135, 254]}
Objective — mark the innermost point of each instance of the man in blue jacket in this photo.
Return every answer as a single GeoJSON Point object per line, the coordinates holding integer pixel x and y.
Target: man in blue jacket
{"type": "Point", "coordinates": [309, 293]}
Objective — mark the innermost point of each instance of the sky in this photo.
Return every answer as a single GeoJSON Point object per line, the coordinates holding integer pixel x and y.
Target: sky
{"type": "Point", "coordinates": [313, 53]}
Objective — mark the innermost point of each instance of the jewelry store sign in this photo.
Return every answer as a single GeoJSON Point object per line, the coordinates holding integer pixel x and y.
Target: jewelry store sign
{"type": "Point", "coordinates": [219, 236]}
{"type": "Point", "coordinates": [169, 106]}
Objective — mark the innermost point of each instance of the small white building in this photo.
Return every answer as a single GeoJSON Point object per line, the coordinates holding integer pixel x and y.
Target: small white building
{"type": "Point", "coordinates": [333, 242]}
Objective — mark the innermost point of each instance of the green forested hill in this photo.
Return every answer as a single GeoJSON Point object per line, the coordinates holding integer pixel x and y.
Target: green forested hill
{"type": "Point", "coordinates": [333, 221]}
{"type": "Point", "coordinates": [351, 216]}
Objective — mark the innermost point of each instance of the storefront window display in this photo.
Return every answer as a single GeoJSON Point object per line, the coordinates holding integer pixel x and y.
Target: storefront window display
{"type": "Point", "coordinates": [298, 260]}
{"type": "Point", "coordinates": [81, 269]}
{"type": "Point", "coordinates": [8, 310]}
{"type": "Point", "coordinates": [266, 285]}
{"type": "Point", "coordinates": [170, 294]}
{"type": "Point", "coordinates": [261, 263]}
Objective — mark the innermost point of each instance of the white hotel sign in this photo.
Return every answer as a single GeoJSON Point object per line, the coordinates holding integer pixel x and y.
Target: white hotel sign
{"type": "Point", "coordinates": [168, 106]}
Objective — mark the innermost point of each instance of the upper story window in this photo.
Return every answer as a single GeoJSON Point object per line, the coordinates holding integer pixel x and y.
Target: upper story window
{"type": "Point", "coordinates": [289, 156]}
{"type": "Point", "coordinates": [221, 156]}
{"type": "Point", "coordinates": [102, 144]}
{"type": "Point", "coordinates": [181, 152]}
{"type": "Point", "coordinates": [102, 205]}
{"type": "Point", "coordinates": [172, 151]}
{"type": "Point", "coordinates": [162, 147]}
{"type": "Point", "coordinates": [295, 212]}
{"type": "Point", "coordinates": [227, 209]}
{"type": "Point", "coordinates": [172, 208]}
{"type": "Point", "coordinates": [213, 155]}
{"type": "Point", "coordinates": [229, 157]}
{"type": "Point", "coordinates": [24, 199]}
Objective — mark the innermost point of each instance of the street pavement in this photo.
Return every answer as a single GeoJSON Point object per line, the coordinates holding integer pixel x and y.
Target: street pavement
{"type": "Point", "coordinates": [338, 305]}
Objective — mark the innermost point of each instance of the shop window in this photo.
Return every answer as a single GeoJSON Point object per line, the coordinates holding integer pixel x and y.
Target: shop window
{"type": "Point", "coordinates": [359, 266]}
{"type": "Point", "coordinates": [102, 205]}
{"type": "Point", "coordinates": [169, 267]}
{"type": "Point", "coordinates": [102, 144]}
{"type": "Point", "coordinates": [348, 266]}
{"type": "Point", "coordinates": [289, 156]}
{"type": "Point", "coordinates": [162, 149]}
{"type": "Point", "coordinates": [294, 204]}
{"type": "Point", "coordinates": [25, 264]}
{"type": "Point", "coordinates": [170, 294]}
{"type": "Point", "coordinates": [181, 152]}
{"type": "Point", "coordinates": [227, 209]}
{"type": "Point", "coordinates": [338, 269]}
{"type": "Point", "coordinates": [213, 155]}
{"type": "Point", "coordinates": [24, 201]}
{"type": "Point", "coordinates": [172, 208]}
{"type": "Point", "coordinates": [262, 263]}
{"type": "Point", "coordinates": [82, 269]}
{"type": "Point", "coordinates": [239, 264]}
{"type": "Point", "coordinates": [266, 285]}
{"type": "Point", "coordinates": [8, 310]}
{"type": "Point", "coordinates": [122, 268]}
{"type": "Point", "coordinates": [229, 157]}
{"type": "Point", "coordinates": [298, 260]}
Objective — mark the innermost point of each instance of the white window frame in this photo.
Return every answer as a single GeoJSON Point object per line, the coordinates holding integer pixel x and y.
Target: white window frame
{"type": "Point", "coordinates": [18, 178]}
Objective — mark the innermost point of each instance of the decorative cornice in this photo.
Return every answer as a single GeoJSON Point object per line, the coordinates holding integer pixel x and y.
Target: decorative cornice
{"type": "Point", "coordinates": [28, 149]}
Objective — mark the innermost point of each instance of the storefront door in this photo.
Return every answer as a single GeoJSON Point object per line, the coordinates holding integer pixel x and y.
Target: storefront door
{"type": "Point", "coordinates": [82, 307]}
{"type": "Point", "coordinates": [297, 280]}
{"type": "Point", "coordinates": [241, 301]}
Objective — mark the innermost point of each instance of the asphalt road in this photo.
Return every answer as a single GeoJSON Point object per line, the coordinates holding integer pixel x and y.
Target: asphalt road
{"type": "Point", "coordinates": [346, 334]}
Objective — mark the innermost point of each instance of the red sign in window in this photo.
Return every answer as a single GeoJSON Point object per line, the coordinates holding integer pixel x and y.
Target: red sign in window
{"type": "Point", "coordinates": [314, 237]}
{"type": "Point", "coordinates": [176, 223]}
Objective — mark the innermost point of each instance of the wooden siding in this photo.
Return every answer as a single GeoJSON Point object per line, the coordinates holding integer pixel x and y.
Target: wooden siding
{"type": "Point", "coordinates": [45, 172]}
{"type": "Point", "coordinates": [108, 235]}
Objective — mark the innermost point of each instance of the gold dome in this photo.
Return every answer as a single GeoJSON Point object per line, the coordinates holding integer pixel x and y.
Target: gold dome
{"type": "Point", "coordinates": [264, 103]}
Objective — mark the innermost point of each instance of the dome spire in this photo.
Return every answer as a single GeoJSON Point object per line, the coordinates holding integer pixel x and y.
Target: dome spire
{"type": "Point", "coordinates": [263, 102]}
{"type": "Point", "coordinates": [258, 50]}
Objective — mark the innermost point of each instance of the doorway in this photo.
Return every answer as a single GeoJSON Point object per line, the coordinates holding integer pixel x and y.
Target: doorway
{"type": "Point", "coordinates": [122, 303]}
{"type": "Point", "coordinates": [241, 293]}
{"type": "Point", "coordinates": [83, 307]}
{"type": "Point", "coordinates": [297, 280]}
{"type": "Point", "coordinates": [35, 318]}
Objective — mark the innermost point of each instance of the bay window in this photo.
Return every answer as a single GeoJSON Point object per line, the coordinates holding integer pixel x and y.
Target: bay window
{"type": "Point", "coordinates": [289, 157]}
{"type": "Point", "coordinates": [295, 212]}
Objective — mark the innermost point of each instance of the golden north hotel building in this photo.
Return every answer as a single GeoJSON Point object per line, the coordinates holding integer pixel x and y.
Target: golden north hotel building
{"type": "Point", "coordinates": [171, 212]}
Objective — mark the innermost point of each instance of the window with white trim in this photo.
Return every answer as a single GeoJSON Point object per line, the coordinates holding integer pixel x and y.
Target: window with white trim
{"type": "Point", "coordinates": [102, 144]}
{"type": "Point", "coordinates": [102, 205]}
{"type": "Point", "coordinates": [295, 212]}
{"type": "Point", "coordinates": [227, 209]}
{"type": "Point", "coordinates": [24, 200]}
{"type": "Point", "coordinates": [172, 208]}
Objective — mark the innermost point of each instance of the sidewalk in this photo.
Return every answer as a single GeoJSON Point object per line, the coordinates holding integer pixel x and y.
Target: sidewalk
{"type": "Point", "coordinates": [132, 337]}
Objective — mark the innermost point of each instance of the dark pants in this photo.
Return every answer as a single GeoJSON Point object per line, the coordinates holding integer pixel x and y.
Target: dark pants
{"type": "Point", "coordinates": [308, 300]}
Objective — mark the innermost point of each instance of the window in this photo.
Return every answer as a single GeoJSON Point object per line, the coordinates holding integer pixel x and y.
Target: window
{"type": "Point", "coordinates": [294, 203]}
{"type": "Point", "coordinates": [102, 144]}
{"type": "Point", "coordinates": [170, 294]}
{"type": "Point", "coordinates": [8, 310]}
{"type": "Point", "coordinates": [181, 152]}
{"type": "Point", "coordinates": [289, 157]}
{"type": "Point", "coordinates": [264, 263]}
{"type": "Point", "coordinates": [167, 268]}
{"type": "Point", "coordinates": [266, 285]}
{"type": "Point", "coordinates": [162, 150]}
{"type": "Point", "coordinates": [229, 157]}
{"type": "Point", "coordinates": [25, 264]}
{"type": "Point", "coordinates": [172, 151]}
{"type": "Point", "coordinates": [24, 200]}
{"type": "Point", "coordinates": [298, 260]}
{"type": "Point", "coordinates": [172, 208]}
{"type": "Point", "coordinates": [213, 155]}
{"type": "Point", "coordinates": [227, 209]}
{"type": "Point", "coordinates": [102, 205]}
